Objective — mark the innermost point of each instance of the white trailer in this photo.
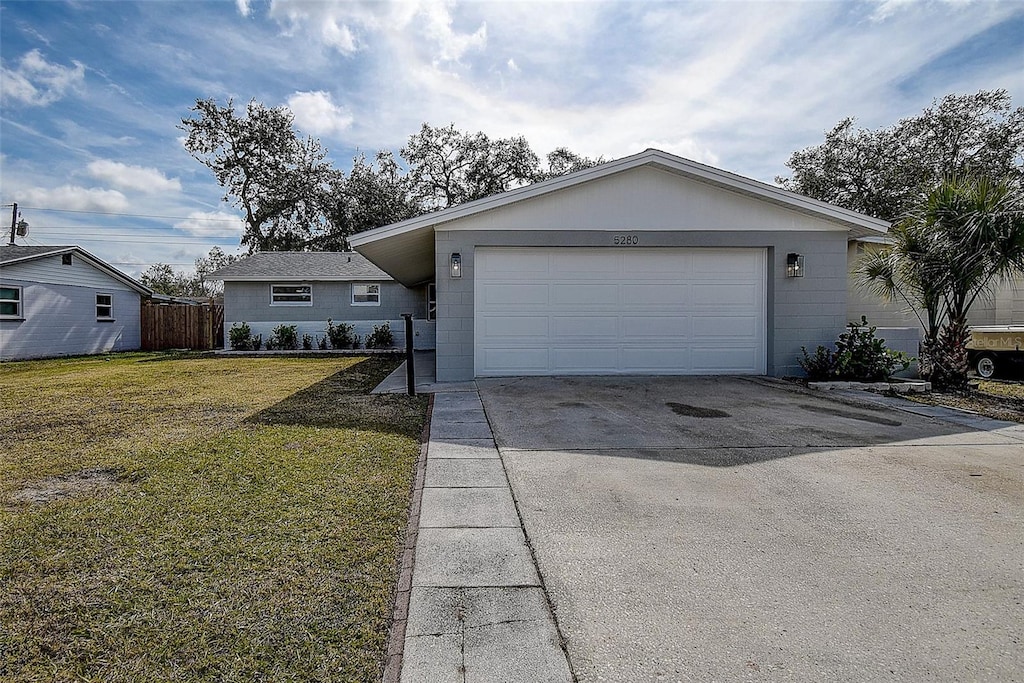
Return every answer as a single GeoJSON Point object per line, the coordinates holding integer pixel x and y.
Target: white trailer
{"type": "Point", "coordinates": [995, 349]}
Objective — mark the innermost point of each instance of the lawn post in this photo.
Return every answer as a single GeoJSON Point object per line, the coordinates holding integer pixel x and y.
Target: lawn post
{"type": "Point", "coordinates": [410, 368]}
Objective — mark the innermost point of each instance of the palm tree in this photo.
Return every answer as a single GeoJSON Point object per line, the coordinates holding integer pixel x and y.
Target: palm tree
{"type": "Point", "coordinates": [961, 239]}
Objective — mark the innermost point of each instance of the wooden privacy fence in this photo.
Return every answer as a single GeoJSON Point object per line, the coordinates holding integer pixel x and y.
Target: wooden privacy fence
{"type": "Point", "coordinates": [182, 326]}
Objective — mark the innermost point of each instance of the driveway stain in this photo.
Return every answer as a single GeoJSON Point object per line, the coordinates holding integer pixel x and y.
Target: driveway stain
{"type": "Point", "coordinates": [836, 412]}
{"type": "Point", "coordinates": [695, 411]}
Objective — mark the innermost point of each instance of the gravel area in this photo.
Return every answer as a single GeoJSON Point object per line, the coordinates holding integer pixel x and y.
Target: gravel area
{"type": "Point", "coordinates": [998, 399]}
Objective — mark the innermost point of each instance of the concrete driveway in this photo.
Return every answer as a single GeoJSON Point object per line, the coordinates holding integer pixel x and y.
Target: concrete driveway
{"type": "Point", "coordinates": [698, 529]}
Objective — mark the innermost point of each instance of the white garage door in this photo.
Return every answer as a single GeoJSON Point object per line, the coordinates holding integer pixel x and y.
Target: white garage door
{"type": "Point", "coordinates": [561, 311]}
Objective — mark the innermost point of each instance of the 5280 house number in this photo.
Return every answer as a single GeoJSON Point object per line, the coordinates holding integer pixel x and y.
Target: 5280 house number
{"type": "Point", "coordinates": [626, 240]}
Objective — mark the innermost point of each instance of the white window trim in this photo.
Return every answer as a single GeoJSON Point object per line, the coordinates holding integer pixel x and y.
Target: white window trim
{"type": "Point", "coordinates": [291, 303]}
{"type": "Point", "coordinates": [367, 285]}
{"type": "Point", "coordinates": [20, 315]}
{"type": "Point", "coordinates": [104, 318]}
{"type": "Point", "coordinates": [431, 314]}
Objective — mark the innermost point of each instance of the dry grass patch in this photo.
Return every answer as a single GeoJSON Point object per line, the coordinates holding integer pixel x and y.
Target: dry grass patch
{"type": "Point", "coordinates": [200, 519]}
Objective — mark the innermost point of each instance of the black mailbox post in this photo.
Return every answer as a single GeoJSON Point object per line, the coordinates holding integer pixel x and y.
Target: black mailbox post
{"type": "Point", "coordinates": [410, 368]}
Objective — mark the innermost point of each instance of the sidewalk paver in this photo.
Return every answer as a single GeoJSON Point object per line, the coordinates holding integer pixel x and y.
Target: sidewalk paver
{"type": "Point", "coordinates": [477, 608]}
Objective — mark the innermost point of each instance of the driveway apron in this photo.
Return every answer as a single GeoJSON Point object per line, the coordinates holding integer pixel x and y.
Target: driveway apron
{"type": "Point", "coordinates": [700, 529]}
{"type": "Point", "coordinates": [477, 609]}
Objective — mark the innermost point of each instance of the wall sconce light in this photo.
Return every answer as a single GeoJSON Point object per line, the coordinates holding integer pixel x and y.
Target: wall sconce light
{"type": "Point", "coordinates": [456, 266]}
{"type": "Point", "coordinates": [794, 265]}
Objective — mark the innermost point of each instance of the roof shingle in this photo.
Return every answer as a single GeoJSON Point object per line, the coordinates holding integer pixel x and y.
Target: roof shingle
{"type": "Point", "coordinates": [302, 265]}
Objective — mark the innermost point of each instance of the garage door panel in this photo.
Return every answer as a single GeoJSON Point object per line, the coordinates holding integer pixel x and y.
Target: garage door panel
{"type": "Point", "coordinates": [516, 263]}
{"type": "Point", "coordinates": [657, 294]}
{"type": "Point", "coordinates": [720, 359]}
{"type": "Point", "coordinates": [728, 328]}
{"type": "Point", "coordinates": [591, 295]}
{"type": "Point", "coordinates": [512, 326]}
{"type": "Point", "coordinates": [639, 327]}
{"type": "Point", "coordinates": [585, 359]}
{"type": "Point", "coordinates": [651, 264]}
{"type": "Point", "coordinates": [571, 264]}
{"type": "Point", "coordinates": [516, 360]}
{"type": "Point", "coordinates": [574, 327]}
{"type": "Point", "coordinates": [517, 295]}
{"type": "Point", "coordinates": [557, 310]}
{"type": "Point", "coordinates": [723, 294]}
{"type": "Point", "coordinates": [655, 360]}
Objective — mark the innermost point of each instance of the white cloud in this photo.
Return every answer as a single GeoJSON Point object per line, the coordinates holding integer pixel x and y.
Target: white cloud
{"type": "Point", "coordinates": [125, 177]}
{"type": "Point", "coordinates": [36, 82]}
{"type": "Point", "coordinates": [243, 7]}
{"type": "Point", "coordinates": [315, 112]}
{"type": "Point", "coordinates": [512, 66]}
{"type": "Point", "coordinates": [451, 45]}
{"type": "Point", "coordinates": [887, 8]}
{"type": "Point", "coordinates": [211, 224]}
{"type": "Point", "coordinates": [352, 26]}
{"type": "Point", "coordinates": [338, 36]}
{"type": "Point", "coordinates": [75, 198]}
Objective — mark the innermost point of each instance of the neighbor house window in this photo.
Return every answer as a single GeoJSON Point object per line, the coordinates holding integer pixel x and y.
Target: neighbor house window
{"type": "Point", "coordinates": [365, 295]}
{"type": "Point", "coordinates": [291, 295]}
{"type": "Point", "coordinates": [431, 301]}
{"type": "Point", "coordinates": [10, 302]}
{"type": "Point", "coordinates": [65, 260]}
{"type": "Point", "coordinates": [104, 307]}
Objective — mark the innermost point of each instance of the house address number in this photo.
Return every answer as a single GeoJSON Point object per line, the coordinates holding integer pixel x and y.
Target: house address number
{"type": "Point", "coordinates": [626, 240]}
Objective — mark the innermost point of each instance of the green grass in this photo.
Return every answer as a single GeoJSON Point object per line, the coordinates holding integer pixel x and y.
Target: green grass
{"type": "Point", "coordinates": [241, 521]}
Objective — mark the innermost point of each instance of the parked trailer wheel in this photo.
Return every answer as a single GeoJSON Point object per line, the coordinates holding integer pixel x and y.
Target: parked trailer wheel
{"type": "Point", "coordinates": [985, 366]}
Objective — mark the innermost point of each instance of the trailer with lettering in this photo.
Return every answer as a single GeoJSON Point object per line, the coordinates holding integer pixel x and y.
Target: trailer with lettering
{"type": "Point", "coordinates": [995, 349]}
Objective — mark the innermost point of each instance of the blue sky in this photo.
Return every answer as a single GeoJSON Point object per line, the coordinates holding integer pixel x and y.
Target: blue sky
{"type": "Point", "coordinates": [92, 92]}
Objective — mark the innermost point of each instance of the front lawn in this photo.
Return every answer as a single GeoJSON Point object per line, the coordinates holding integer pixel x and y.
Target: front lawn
{"type": "Point", "coordinates": [200, 519]}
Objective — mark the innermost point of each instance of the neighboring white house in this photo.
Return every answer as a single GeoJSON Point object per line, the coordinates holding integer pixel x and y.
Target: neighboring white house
{"type": "Point", "coordinates": [304, 289]}
{"type": "Point", "coordinates": [62, 301]}
{"type": "Point", "coordinates": [651, 264]}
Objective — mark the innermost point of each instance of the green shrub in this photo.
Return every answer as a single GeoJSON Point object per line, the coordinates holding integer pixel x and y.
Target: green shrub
{"type": "Point", "coordinates": [821, 366]}
{"type": "Point", "coordinates": [307, 342]}
{"type": "Point", "coordinates": [285, 337]}
{"type": "Point", "coordinates": [321, 343]}
{"type": "Point", "coordinates": [859, 356]}
{"type": "Point", "coordinates": [340, 334]}
{"type": "Point", "coordinates": [241, 339]}
{"type": "Point", "coordinates": [380, 338]}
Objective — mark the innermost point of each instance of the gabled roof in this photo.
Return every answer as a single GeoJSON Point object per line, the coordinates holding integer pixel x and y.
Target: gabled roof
{"type": "Point", "coordinates": [406, 249]}
{"type": "Point", "coordinates": [10, 255]}
{"type": "Point", "coordinates": [284, 266]}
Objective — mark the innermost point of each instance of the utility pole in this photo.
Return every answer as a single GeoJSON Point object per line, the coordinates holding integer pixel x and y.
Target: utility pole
{"type": "Point", "coordinates": [14, 223]}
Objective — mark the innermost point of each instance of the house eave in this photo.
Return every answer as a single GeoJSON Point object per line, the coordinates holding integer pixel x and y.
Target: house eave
{"type": "Point", "coordinates": [413, 239]}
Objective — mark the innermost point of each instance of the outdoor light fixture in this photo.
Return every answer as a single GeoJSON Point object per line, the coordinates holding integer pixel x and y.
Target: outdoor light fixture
{"type": "Point", "coordinates": [456, 265]}
{"type": "Point", "coordinates": [794, 265]}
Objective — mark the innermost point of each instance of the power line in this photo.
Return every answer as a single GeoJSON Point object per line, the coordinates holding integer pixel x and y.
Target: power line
{"type": "Point", "coordinates": [86, 231]}
{"type": "Point", "coordinates": [134, 215]}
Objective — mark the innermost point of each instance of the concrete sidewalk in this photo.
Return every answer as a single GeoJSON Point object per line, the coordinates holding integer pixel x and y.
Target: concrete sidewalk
{"type": "Point", "coordinates": [477, 609]}
{"type": "Point", "coordinates": [423, 364]}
